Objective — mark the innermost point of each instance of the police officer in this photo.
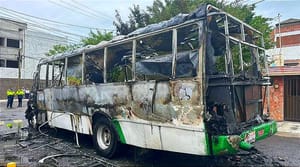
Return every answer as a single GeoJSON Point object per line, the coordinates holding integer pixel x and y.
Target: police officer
{"type": "Point", "coordinates": [20, 93]}
{"type": "Point", "coordinates": [10, 97]}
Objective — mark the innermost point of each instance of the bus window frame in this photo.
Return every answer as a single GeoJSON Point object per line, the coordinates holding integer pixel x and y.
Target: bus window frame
{"type": "Point", "coordinates": [229, 69]}
{"type": "Point", "coordinates": [133, 40]}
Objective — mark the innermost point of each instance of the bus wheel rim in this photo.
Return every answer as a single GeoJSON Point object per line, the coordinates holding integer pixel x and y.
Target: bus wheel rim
{"type": "Point", "coordinates": [103, 137]}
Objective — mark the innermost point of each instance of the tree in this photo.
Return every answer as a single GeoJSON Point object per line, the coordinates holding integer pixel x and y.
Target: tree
{"type": "Point", "coordinates": [60, 49]}
{"type": "Point", "coordinates": [93, 39]}
{"type": "Point", "coordinates": [261, 24]}
{"type": "Point", "coordinates": [165, 9]}
{"type": "Point", "coordinates": [96, 37]}
{"type": "Point", "coordinates": [137, 19]}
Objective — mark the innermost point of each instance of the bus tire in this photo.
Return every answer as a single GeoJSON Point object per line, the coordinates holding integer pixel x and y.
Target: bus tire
{"type": "Point", "coordinates": [105, 138]}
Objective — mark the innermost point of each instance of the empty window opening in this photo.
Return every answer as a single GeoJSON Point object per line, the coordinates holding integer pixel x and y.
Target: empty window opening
{"type": "Point", "coordinates": [13, 43]}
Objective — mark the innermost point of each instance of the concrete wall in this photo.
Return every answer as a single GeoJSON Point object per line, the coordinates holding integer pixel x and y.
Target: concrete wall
{"type": "Point", "coordinates": [37, 44]}
{"type": "Point", "coordinates": [7, 83]}
{"type": "Point", "coordinates": [11, 30]}
{"type": "Point", "coordinates": [289, 53]}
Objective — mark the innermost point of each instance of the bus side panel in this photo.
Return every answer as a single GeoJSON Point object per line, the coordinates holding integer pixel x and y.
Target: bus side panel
{"type": "Point", "coordinates": [183, 139]}
{"type": "Point", "coordinates": [171, 110]}
{"type": "Point", "coordinates": [73, 122]}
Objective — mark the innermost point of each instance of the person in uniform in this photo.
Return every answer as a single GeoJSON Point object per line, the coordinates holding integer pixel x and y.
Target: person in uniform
{"type": "Point", "coordinates": [10, 97]}
{"type": "Point", "coordinates": [20, 93]}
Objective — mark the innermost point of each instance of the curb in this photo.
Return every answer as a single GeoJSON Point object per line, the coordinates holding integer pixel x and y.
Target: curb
{"type": "Point", "coordinates": [287, 134]}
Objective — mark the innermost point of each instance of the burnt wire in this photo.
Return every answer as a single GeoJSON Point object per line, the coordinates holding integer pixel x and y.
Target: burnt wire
{"type": "Point", "coordinates": [43, 124]}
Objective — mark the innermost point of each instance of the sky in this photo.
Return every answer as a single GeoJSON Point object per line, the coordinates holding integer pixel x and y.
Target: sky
{"type": "Point", "coordinates": [270, 8]}
{"type": "Point", "coordinates": [102, 12]}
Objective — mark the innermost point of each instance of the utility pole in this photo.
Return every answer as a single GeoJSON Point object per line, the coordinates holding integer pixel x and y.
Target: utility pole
{"type": "Point", "coordinates": [281, 63]}
{"type": "Point", "coordinates": [20, 54]}
{"type": "Point", "coordinates": [279, 32]}
{"type": "Point", "coordinates": [19, 68]}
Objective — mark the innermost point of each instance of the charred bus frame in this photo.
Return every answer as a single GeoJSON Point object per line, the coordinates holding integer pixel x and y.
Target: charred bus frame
{"type": "Point", "coordinates": [196, 77]}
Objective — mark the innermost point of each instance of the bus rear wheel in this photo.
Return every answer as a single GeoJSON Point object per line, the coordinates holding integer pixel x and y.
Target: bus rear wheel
{"type": "Point", "coordinates": [105, 138]}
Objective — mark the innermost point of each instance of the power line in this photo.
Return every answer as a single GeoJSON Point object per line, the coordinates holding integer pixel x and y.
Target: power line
{"type": "Point", "coordinates": [38, 25]}
{"type": "Point", "coordinates": [41, 26]}
{"type": "Point", "coordinates": [103, 14]}
{"type": "Point", "coordinates": [79, 8]}
{"type": "Point", "coordinates": [255, 3]}
{"type": "Point", "coordinates": [38, 36]}
{"type": "Point", "coordinates": [51, 39]}
{"type": "Point", "coordinates": [69, 8]}
{"type": "Point", "coordinates": [28, 21]}
{"type": "Point", "coordinates": [53, 21]}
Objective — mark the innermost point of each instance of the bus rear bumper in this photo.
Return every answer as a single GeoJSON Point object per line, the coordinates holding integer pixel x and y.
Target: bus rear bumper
{"type": "Point", "coordinates": [231, 144]}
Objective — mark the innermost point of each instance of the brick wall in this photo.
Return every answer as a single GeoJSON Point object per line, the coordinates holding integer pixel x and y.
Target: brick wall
{"type": "Point", "coordinates": [289, 27]}
{"type": "Point", "coordinates": [277, 99]}
{"type": "Point", "coordinates": [6, 83]}
{"type": "Point", "coordinates": [291, 40]}
{"type": "Point", "coordinates": [286, 28]}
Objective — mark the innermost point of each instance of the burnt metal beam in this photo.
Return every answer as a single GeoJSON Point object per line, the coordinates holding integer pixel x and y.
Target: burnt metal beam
{"type": "Point", "coordinates": [133, 60]}
{"type": "Point", "coordinates": [105, 65]}
{"type": "Point", "coordinates": [83, 69]}
{"type": "Point", "coordinates": [174, 52]}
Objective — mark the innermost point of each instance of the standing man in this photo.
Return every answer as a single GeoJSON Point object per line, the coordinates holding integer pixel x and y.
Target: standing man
{"type": "Point", "coordinates": [20, 93]}
{"type": "Point", "coordinates": [27, 92]}
{"type": "Point", "coordinates": [10, 97]}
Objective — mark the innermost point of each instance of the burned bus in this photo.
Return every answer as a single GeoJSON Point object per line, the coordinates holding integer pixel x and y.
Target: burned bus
{"type": "Point", "coordinates": [194, 84]}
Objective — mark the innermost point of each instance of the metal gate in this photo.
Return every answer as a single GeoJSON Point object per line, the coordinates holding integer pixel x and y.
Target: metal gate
{"type": "Point", "coordinates": [292, 98]}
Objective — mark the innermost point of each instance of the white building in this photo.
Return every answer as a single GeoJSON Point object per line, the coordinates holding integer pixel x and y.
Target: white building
{"type": "Point", "coordinates": [12, 47]}
{"type": "Point", "coordinates": [287, 39]}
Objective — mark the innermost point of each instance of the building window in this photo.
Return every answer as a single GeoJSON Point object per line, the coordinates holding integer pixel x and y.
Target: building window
{"type": "Point", "coordinates": [2, 41]}
{"type": "Point", "coordinates": [12, 64]}
{"type": "Point", "coordinates": [2, 63]}
{"type": "Point", "coordinates": [13, 43]}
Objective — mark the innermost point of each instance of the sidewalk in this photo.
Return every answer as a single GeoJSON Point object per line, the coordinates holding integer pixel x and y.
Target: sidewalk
{"type": "Point", "coordinates": [288, 129]}
{"type": "Point", "coordinates": [10, 118]}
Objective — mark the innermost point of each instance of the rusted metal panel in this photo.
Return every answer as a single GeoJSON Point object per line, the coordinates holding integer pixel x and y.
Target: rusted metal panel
{"type": "Point", "coordinates": [176, 102]}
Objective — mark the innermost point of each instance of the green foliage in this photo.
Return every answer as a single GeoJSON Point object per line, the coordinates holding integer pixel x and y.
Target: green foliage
{"type": "Point", "coordinates": [162, 10]}
{"type": "Point", "coordinates": [261, 24]}
{"type": "Point", "coordinates": [60, 49]}
{"type": "Point", "coordinates": [117, 74]}
{"type": "Point", "coordinates": [74, 81]}
{"type": "Point", "coordinates": [137, 19]}
{"type": "Point", "coordinates": [96, 37]}
{"type": "Point", "coordinates": [93, 39]}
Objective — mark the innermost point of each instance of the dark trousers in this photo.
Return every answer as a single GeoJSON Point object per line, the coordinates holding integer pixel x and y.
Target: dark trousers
{"type": "Point", "coordinates": [20, 97]}
{"type": "Point", "coordinates": [10, 100]}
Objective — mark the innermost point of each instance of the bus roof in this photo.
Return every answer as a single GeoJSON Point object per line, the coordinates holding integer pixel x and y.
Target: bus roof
{"type": "Point", "coordinates": [176, 21]}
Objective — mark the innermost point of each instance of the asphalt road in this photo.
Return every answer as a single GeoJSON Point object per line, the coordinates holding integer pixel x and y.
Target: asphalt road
{"type": "Point", "coordinates": [282, 147]}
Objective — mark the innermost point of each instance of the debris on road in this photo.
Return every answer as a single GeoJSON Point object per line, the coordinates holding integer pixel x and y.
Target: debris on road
{"type": "Point", "coordinates": [38, 150]}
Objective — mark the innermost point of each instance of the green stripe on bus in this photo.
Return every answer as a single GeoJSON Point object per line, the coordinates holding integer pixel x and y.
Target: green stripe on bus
{"type": "Point", "coordinates": [221, 145]}
{"type": "Point", "coordinates": [119, 131]}
{"type": "Point", "coordinates": [207, 148]}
